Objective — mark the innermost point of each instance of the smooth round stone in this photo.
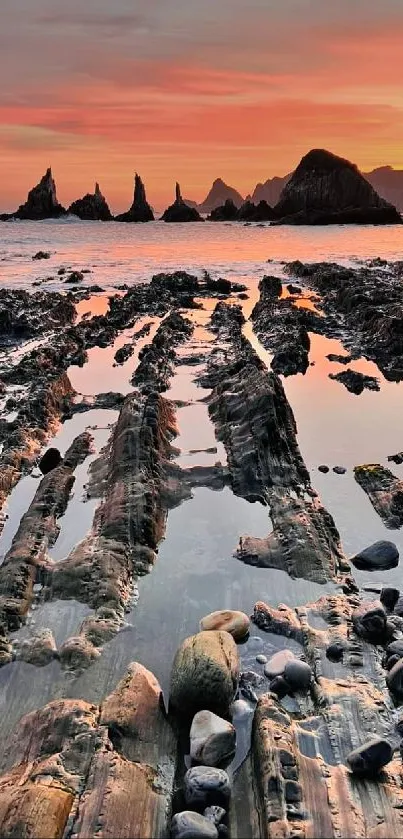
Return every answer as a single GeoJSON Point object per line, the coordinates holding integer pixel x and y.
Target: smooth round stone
{"type": "Point", "coordinates": [323, 468]}
{"type": "Point", "coordinates": [298, 674]}
{"type": "Point", "coordinates": [204, 674]}
{"type": "Point", "coordinates": [261, 659]}
{"type": "Point", "coordinates": [394, 679]}
{"type": "Point", "coordinates": [212, 739]}
{"type": "Point", "coordinates": [188, 825]}
{"type": "Point", "coordinates": [50, 460]}
{"type": "Point", "coordinates": [369, 620]}
{"type": "Point", "coordinates": [380, 555]}
{"type": "Point", "coordinates": [279, 686]}
{"type": "Point", "coordinates": [339, 470]}
{"type": "Point", "coordinates": [206, 786]}
{"type": "Point", "coordinates": [389, 597]}
{"type": "Point", "coordinates": [226, 620]}
{"type": "Point", "coordinates": [369, 758]}
{"type": "Point", "coordinates": [334, 652]}
{"type": "Point", "coordinates": [277, 663]}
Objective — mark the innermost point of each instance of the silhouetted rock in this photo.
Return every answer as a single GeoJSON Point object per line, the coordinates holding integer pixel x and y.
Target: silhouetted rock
{"type": "Point", "coordinates": [219, 194]}
{"type": "Point", "coordinates": [388, 183]}
{"type": "Point", "coordinates": [140, 211]}
{"type": "Point", "coordinates": [251, 212]}
{"type": "Point", "coordinates": [179, 211]}
{"type": "Point", "coordinates": [41, 202]}
{"type": "Point", "coordinates": [326, 189]}
{"type": "Point", "coordinates": [91, 207]}
{"type": "Point", "coordinates": [270, 191]}
{"type": "Point", "coordinates": [227, 212]}
{"type": "Point", "coordinates": [50, 460]}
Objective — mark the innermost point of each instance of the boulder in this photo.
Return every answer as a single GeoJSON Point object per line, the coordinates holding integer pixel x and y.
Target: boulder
{"type": "Point", "coordinates": [92, 207]}
{"type": "Point", "coordinates": [236, 623]}
{"type": "Point", "coordinates": [369, 621]}
{"type": "Point", "coordinates": [50, 460]}
{"type": "Point", "coordinates": [189, 825]}
{"type": "Point", "coordinates": [270, 287]}
{"type": "Point", "coordinates": [179, 211]}
{"type": "Point", "coordinates": [41, 202]}
{"type": "Point", "coordinates": [212, 739]}
{"type": "Point", "coordinates": [371, 757]}
{"type": "Point", "coordinates": [277, 663]}
{"type": "Point", "coordinates": [326, 189]}
{"type": "Point", "coordinates": [298, 674]}
{"type": "Point", "coordinates": [380, 555]}
{"type": "Point", "coordinates": [140, 210]}
{"type": "Point", "coordinates": [394, 679]}
{"type": "Point", "coordinates": [215, 814]}
{"type": "Point", "coordinates": [205, 786]}
{"type": "Point", "coordinates": [205, 674]}
{"type": "Point", "coordinates": [389, 597]}
{"type": "Point", "coordinates": [39, 650]}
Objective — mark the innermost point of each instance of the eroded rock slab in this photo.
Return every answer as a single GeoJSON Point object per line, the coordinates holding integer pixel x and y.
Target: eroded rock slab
{"type": "Point", "coordinates": [384, 490]}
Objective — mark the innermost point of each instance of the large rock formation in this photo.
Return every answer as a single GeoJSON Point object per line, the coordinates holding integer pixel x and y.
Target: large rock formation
{"type": "Point", "coordinates": [179, 211]}
{"type": "Point", "coordinates": [41, 202]}
{"type": "Point", "coordinates": [91, 207]}
{"type": "Point", "coordinates": [326, 189]}
{"type": "Point", "coordinates": [388, 183]}
{"type": "Point", "coordinates": [219, 193]}
{"type": "Point", "coordinates": [270, 190]}
{"type": "Point", "coordinates": [140, 211]}
{"type": "Point", "coordinates": [246, 212]}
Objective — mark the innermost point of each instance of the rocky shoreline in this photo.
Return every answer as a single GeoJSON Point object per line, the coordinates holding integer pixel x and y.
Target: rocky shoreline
{"type": "Point", "coordinates": [284, 723]}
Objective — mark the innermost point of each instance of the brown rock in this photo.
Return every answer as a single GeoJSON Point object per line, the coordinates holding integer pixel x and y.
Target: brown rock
{"type": "Point", "coordinates": [205, 674]}
{"type": "Point", "coordinates": [236, 623]}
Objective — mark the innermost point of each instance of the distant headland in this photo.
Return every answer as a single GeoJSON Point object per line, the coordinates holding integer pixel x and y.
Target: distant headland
{"type": "Point", "coordinates": [323, 189]}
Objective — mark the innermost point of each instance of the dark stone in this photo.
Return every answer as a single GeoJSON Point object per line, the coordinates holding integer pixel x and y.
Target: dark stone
{"type": "Point", "coordinates": [189, 825]}
{"type": "Point", "coordinates": [270, 287]}
{"type": "Point", "coordinates": [140, 211]}
{"type": "Point", "coordinates": [394, 679]}
{"type": "Point", "coordinates": [41, 202]}
{"type": "Point", "coordinates": [298, 674]}
{"type": "Point", "coordinates": [279, 686]}
{"type": "Point", "coordinates": [294, 289]}
{"type": "Point", "coordinates": [50, 460]}
{"type": "Point", "coordinates": [370, 758]}
{"type": "Point", "coordinates": [326, 189]}
{"type": "Point", "coordinates": [380, 555]}
{"type": "Point", "coordinates": [92, 207]}
{"type": "Point", "coordinates": [205, 786]}
{"type": "Point", "coordinates": [339, 470]}
{"type": "Point", "coordinates": [340, 359]}
{"type": "Point", "coordinates": [293, 792]}
{"type": "Point", "coordinates": [355, 382]}
{"type": "Point", "coordinates": [323, 468]}
{"type": "Point", "coordinates": [179, 211]}
{"type": "Point", "coordinates": [369, 621]}
{"type": "Point", "coordinates": [227, 212]}
{"type": "Point", "coordinates": [396, 458]}
{"type": "Point", "coordinates": [75, 277]}
{"type": "Point", "coordinates": [41, 255]}
{"type": "Point", "coordinates": [395, 648]}
{"type": "Point", "coordinates": [390, 662]}
{"type": "Point", "coordinates": [389, 597]}
{"type": "Point", "coordinates": [334, 652]}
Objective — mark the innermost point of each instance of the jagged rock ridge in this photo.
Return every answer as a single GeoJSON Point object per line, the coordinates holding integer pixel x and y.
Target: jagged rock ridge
{"type": "Point", "coordinates": [92, 207]}
{"type": "Point", "coordinates": [179, 211]}
{"type": "Point", "coordinates": [41, 202]}
{"type": "Point", "coordinates": [219, 193]}
{"type": "Point", "coordinates": [140, 210]}
{"type": "Point", "coordinates": [326, 189]}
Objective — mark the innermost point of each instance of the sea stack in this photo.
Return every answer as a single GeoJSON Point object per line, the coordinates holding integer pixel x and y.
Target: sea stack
{"type": "Point", "coordinates": [326, 189]}
{"type": "Point", "coordinates": [140, 211]}
{"type": "Point", "coordinates": [219, 194]}
{"type": "Point", "coordinates": [247, 212]}
{"type": "Point", "coordinates": [41, 202]}
{"type": "Point", "coordinates": [179, 211]}
{"type": "Point", "coordinates": [91, 207]}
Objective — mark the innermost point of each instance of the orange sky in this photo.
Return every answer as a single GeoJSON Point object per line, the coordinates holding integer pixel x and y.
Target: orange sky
{"type": "Point", "coordinates": [178, 89]}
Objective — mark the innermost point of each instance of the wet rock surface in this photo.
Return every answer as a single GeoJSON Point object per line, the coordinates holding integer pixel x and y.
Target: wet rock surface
{"type": "Point", "coordinates": [205, 674]}
{"type": "Point", "coordinates": [384, 490]}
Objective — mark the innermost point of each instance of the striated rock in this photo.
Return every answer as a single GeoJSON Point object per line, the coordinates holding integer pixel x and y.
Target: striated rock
{"type": "Point", "coordinates": [371, 757]}
{"type": "Point", "coordinates": [50, 460]}
{"type": "Point", "coordinates": [92, 207]}
{"type": "Point", "coordinates": [283, 328]}
{"type": "Point", "coordinates": [41, 202]}
{"type": "Point", "coordinates": [326, 189]}
{"type": "Point", "coordinates": [355, 382]}
{"type": "Point", "coordinates": [204, 674]}
{"type": "Point", "coordinates": [236, 623]}
{"type": "Point", "coordinates": [205, 786]}
{"type": "Point", "coordinates": [179, 211]}
{"type": "Point", "coordinates": [212, 739]}
{"type": "Point", "coordinates": [189, 825]}
{"type": "Point", "coordinates": [140, 211]}
{"type": "Point", "coordinates": [385, 491]}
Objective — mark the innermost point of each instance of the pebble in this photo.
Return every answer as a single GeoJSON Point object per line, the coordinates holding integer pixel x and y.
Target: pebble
{"type": "Point", "coordinates": [334, 652]}
{"type": "Point", "coordinates": [206, 786]}
{"type": "Point", "coordinates": [212, 739]}
{"type": "Point", "coordinates": [339, 470]}
{"type": "Point", "coordinates": [261, 659]}
{"type": "Point", "coordinates": [298, 674]}
{"type": "Point", "coordinates": [323, 468]}
{"type": "Point", "coordinates": [369, 758]}
{"type": "Point", "coordinates": [277, 663]}
{"type": "Point", "coordinates": [188, 825]}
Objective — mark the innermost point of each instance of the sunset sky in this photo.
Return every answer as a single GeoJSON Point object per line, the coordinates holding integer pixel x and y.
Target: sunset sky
{"type": "Point", "coordinates": [190, 90]}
